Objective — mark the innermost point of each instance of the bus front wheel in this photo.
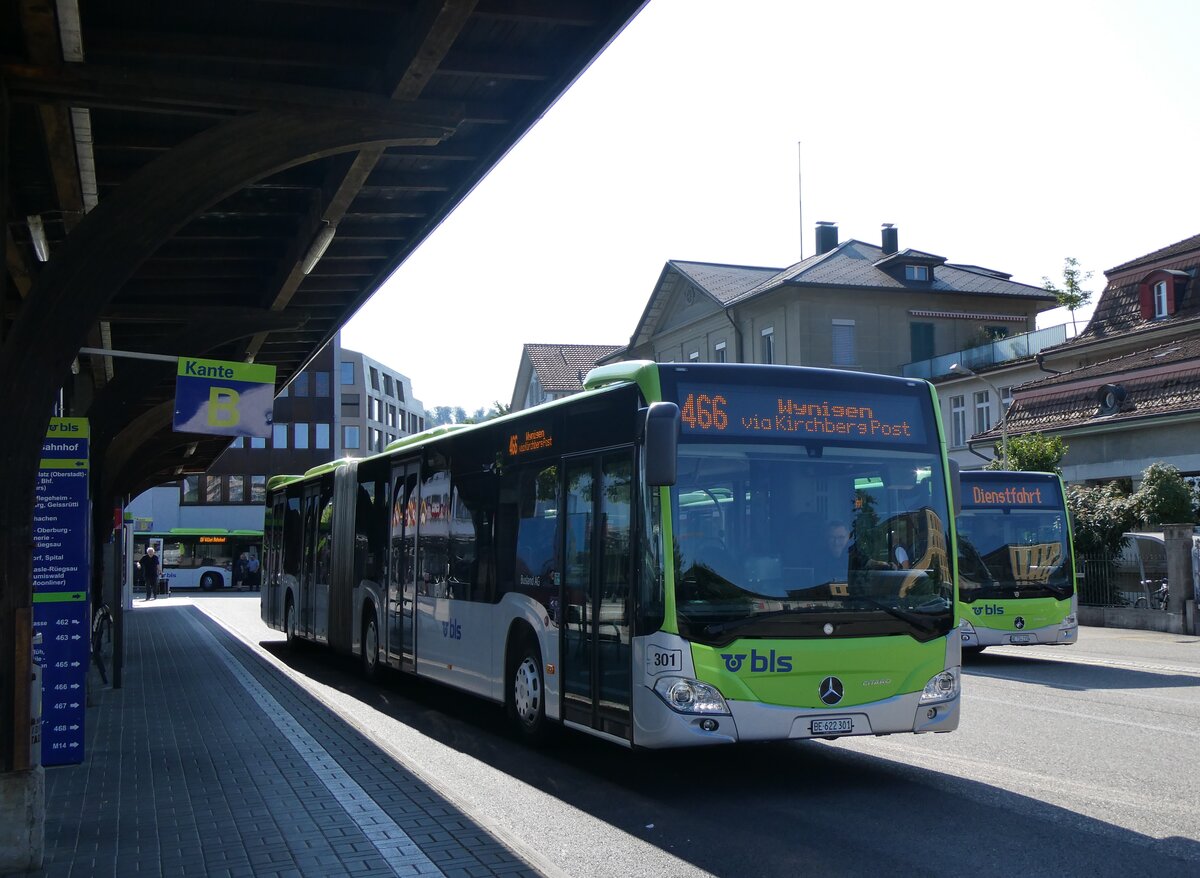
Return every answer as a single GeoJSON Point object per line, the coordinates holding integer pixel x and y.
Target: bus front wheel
{"type": "Point", "coordinates": [208, 582]}
{"type": "Point", "coordinates": [370, 647]}
{"type": "Point", "coordinates": [527, 694]}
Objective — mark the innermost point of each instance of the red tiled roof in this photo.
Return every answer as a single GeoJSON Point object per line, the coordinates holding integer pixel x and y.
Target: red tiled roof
{"type": "Point", "coordinates": [561, 368]}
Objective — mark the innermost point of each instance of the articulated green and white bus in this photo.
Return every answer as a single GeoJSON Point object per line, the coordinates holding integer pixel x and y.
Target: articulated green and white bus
{"type": "Point", "coordinates": [204, 558]}
{"type": "Point", "coordinates": [1016, 561]}
{"type": "Point", "coordinates": [646, 561]}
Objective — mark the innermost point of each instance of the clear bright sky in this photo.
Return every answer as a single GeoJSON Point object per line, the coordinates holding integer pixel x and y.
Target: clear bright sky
{"type": "Point", "coordinates": [1004, 135]}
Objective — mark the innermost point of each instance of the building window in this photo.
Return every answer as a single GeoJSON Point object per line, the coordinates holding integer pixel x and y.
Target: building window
{"type": "Point", "coordinates": [399, 390]}
{"type": "Point", "coordinates": [258, 442]}
{"type": "Point", "coordinates": [768, 345]}
{"type": "Point", "coordinates": [921, 341]}
{"type": "Point", "coordinates": [301, 438]}
{"type": "Point", "coordinates": [347, 373]}
{"type": "Point", "coordinates": [349, 436]}
{"type": "Point", "coordinates": [983, 411]}
{"type": "Point", "coordinates": [374, 378]}
{"type": "Point", "coordinates": [916, 272]}
{"type": "Point", "coordinates": [190, 489]}
{"type": "Point", "coordinates": [237, 442]}
{"type": "Point", "coordinates": [843, 342]}
{"type": "Point", "coordinates": [1005, 397]}
{"type": "Point", "coordinates": [300, 385]}
{"type": "Point", "coordinates": [322, 383]}
{"type": "Point", "coordinates": [237, 489]}
{"type": "Point", "coordinates": [258, 489]}
{"type": "Point", "coordinates": [1160, 299]}
{"type": "Point", "coordinates": [322, 436]}
{"type": "Point", "coordinates": [350, 408]}
{"type": "Point", "coordinates": [212, 489]}
{"type": "Point", "coordinates": [279, 435]}
{"type": "Point", "coordinates": [719, 352]}
{"type": "Point", "coordinates": [282, 394]}
{"type": "Point", "coordinates": [958, 421]}
{"type": "Point", "coordinates": [372, 439]}
{"type": "Point", "coordinates": [387, 384]}
{"type": "Point", "coordinates": [694, 357]}
{"type": "Point", "coordinates": [420, 423]}
{"type": "Point", "coordinates": [413, 424]}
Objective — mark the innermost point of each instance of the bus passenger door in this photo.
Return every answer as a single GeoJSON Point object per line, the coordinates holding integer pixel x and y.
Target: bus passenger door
{"type": "Point", "coordinates": [273, 567]}
{"type": "Point", "coordinates": [402, 573]}
{"type": "Point", "coordinates": [308, 564]}
{"type": "Point", "coordinates": [597, 571]}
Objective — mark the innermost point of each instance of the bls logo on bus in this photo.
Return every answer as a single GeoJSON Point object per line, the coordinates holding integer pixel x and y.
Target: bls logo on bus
{"type": "Point", "coordinates": [452, 630]}
{"type": "Point", "coordinates": [760, 663]}
{"type": "Point", "coordinates": [988, 610]}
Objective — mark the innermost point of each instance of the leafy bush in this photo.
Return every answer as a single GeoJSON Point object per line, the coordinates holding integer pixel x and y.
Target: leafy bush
{"type": "Point", "coordinates": [1165, 497]}
{"type": "Point", "coordinates": [1031, 453]}
{"type": "Point", "coordinates": [1100, 514]}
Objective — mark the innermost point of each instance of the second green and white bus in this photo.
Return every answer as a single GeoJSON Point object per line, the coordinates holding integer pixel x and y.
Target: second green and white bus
{"type": "Point", "coordinates": [1016, 561]}
{"type": "Point", "coordinates": [645, 561]}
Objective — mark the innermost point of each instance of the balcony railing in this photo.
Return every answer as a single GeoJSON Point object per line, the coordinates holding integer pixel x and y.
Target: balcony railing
{"type": "Point", "coordinates": [1002, 350]}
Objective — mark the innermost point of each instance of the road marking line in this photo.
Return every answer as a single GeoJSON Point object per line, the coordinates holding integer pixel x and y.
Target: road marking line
{"type": "Point", "coordinates": [398, 850]}
{"type": "Point", "coordinates": [1034, 653]}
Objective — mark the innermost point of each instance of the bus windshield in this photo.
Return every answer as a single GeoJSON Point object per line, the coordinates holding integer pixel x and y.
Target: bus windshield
{"type": "Point", "coordinates": [771, 540]}
{"type": "Point", "coordinates": [1013, 553]}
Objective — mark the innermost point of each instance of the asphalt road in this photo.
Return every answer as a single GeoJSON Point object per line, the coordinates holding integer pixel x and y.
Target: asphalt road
{"type": "Point", "coordinates": [1082, 760]}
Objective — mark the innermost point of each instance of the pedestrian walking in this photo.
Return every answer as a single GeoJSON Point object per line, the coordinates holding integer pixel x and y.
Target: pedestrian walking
{"type": "Point", "coordinates": [149, 567]}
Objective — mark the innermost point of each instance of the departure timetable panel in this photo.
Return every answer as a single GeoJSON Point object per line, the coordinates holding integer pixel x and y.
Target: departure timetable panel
{"type": "Point", "coordinates": [736, 410]}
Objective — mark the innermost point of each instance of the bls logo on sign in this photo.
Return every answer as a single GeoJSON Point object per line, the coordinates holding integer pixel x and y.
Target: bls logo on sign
{"type": "Point", "coordinates": [760, 663]}
{"type": "Point", "coordinates": [989, 610]}
{"type": "Point", "coordinates": [452, 630]}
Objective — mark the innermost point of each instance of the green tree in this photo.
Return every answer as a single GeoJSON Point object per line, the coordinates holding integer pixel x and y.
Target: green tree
{"type": "Point", "coordinates": [1165, 497]}
{"type": "Point", "coordinates": [1100, 515]}
{"type": "Point", "coordinates": [1031, 453]}
{"type": "Point", "coordinates": [1071, 295]}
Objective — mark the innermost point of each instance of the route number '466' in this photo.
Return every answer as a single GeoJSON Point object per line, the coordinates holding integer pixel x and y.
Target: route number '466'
{"type": "Point", "coordinates": [704, 412]}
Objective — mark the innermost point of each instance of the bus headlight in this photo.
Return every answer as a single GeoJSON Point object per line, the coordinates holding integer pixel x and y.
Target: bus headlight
{"type": "Point", "coordinates": [1070, 622]}
{"type": "Point", "coordinates": [685, 695]}
{"type": "Point", "coordinates": [943, 687]}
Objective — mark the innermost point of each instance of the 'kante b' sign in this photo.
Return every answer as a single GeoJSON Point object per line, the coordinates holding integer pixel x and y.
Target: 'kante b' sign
{"type": "Point", "coordinates": [223, 398]}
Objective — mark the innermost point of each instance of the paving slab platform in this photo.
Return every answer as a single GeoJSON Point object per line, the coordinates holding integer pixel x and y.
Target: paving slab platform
{"type": "Point", "coordinates": [208, 761]}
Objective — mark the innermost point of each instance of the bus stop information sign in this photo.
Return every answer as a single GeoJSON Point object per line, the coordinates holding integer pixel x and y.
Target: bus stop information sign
{"type": "Point", "coordinates": [60, 587]}
{"type": "Point", "coordinates": [224, 398]}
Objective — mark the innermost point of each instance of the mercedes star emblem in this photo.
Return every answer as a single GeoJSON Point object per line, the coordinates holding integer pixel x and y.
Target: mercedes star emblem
{"type": "Point", "coordinates": [831, 690]}
{"type": "Point", "coordinates": [1019, 622]}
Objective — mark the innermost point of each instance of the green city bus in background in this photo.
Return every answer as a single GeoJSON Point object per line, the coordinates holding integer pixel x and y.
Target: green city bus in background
{"type": "Point", "coordinates": [203, 558]}
{"type": "Point", "coordinates": [645, 561]}
{"type": "Point", "coordinates": [1016, 561]}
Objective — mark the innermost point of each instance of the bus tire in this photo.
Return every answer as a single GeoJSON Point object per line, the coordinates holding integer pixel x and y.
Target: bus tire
{"type": "Point", "coordinates": [526, 689]}
{"type": "Point", "coordinates": [289, 622]}
{"type": "Point", "coordinates": [209, 582]}
{"type": "Point", "coordinates": [370, 646]}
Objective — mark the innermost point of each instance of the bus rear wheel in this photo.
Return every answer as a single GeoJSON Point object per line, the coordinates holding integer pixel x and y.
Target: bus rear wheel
{"type": "Point", "coordinates": [209, 582]}
{"type": "Point", "coordinates": [289, 622]}
{"type": "Point", "coordinates": [527, 693]}
{"type": "Point", "coordinates": [370, 647]}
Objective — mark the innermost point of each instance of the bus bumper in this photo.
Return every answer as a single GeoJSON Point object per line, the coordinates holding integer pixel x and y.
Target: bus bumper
{"type": "Point", "coordinates": [660, 726]}
{"type": "Point", "coordinates": [1063, 633]}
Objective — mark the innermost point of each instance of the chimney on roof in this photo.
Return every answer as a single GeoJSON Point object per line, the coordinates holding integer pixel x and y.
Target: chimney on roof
{"type": "Point", "coordinates": [891, 239]}
{"type": "Point", "coordinates": [827, 236]}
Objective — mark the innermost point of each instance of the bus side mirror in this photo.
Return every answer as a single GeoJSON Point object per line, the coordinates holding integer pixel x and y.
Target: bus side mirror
{"type": "Point", "coordinates": [661, 443]}
{"type": "Point", "coordinates": [956, 487]}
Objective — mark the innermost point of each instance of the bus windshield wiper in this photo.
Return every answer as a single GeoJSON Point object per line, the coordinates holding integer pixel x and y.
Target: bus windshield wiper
{"type": "Point", "coordinates": [916, 618]}
{"type": "Point", "coordinates": [723, 627]}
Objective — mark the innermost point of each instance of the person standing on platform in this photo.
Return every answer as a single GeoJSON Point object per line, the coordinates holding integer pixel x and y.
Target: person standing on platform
{"type": "Point", "coordinates": [149, 567]}
{"type": "Point", "coordinates": [252, 572]}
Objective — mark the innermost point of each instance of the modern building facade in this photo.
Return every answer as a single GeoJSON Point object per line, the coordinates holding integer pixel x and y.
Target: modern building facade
{"type": "Point", "coordinates": [375, 405]}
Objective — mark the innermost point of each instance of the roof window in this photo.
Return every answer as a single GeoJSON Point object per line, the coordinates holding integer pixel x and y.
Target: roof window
{"type": "Point", "coordinates": [916, 272]}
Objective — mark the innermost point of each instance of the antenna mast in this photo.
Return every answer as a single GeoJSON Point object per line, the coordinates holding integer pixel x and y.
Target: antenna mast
{"type": "Point", "coordinates": [800, 191]}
